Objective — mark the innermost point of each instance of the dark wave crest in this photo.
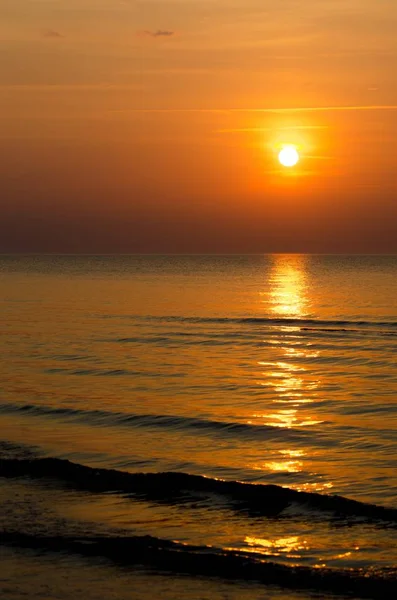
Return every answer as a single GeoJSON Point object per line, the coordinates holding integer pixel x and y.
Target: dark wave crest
{"type": "Point", "coordinates": [209, 561]}
{"type": "Point", "coordinates": [327, 323]}
{"type": "Point", "coordinates": [109, 418]}
{"type": "Point", "coordinates": [254, 499]}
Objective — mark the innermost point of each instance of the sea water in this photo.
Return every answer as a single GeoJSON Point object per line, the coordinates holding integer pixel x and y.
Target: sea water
{"type": "Point", "coordinates": [198, 426]}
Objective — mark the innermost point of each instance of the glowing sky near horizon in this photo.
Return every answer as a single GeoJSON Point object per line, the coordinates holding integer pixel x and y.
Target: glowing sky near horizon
{"type": "Point", "coordinates": [155, 126]}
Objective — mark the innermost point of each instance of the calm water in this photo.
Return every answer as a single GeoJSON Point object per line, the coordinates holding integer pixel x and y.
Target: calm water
{"type": "Point", "coordinates": [250, 390]}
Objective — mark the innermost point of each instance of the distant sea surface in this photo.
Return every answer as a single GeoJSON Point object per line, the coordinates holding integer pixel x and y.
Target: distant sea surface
{"type": "Point", "coordinates": [187, 427]}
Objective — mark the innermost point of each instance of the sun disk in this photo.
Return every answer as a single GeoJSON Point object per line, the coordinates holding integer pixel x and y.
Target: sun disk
{"type": "Point", "coordinates": [288, 156]}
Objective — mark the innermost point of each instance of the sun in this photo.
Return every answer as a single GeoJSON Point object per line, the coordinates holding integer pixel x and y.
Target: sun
{"type": "Point", "coordinates": [288, 156]}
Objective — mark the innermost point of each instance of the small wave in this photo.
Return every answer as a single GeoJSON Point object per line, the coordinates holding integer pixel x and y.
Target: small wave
{"type": "Point", "coordinates": [293, 321]}
{"type": "Point", "coordinates": [96, 372]}
{"type": "Point", "coordinates": [109, 418]}
{"type": "Point", "coordinates": [13, 450]}
{"type": "Point", "coordinates": [169, 487]}
{"type": "Point", "coordinates": [210, 561]}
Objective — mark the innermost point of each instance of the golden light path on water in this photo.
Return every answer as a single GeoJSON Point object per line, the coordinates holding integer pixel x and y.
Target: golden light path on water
{"type": "Point", "coordinates": [290, 547]}
{"type": "Point", "coordinates": [295, 387]}
{"type": "Point", "coordinates": [288, 295]}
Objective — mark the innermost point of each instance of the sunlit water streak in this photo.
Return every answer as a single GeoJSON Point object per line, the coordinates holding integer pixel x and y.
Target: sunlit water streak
{"type": "Point", "coordinates": [270, 370]}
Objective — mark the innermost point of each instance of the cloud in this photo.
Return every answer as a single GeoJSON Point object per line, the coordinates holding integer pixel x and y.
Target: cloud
{"type": "Point", "coordinates": [264, 129]}
{"type": "Point", "coordinates": [390, 107]}
{"type": "Point", "coordinates": [50, 33]}
{"type": "Point", "coordinates": [62, 87]}
{"type": "Point", "coordinates": [159, 33]}
{"type": "Point", "coordinates": [319, 157]}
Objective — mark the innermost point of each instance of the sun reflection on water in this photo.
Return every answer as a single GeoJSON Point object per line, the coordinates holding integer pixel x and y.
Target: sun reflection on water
{"type": "Point", "coordinates": [292, 453]}
{"type": "Point", "coordinates": [286, 418]}
{"type": "Point", "coordinates": [286, 466]}
{"type": "Point", "coordinates": [291, 547]}
{"type": "Point", "coordinates": [312, 487]}
{"type": "Point", "coordinates": [288, 296]}
{"type": "Point", "coordinates": [288, 463]}
{"type": "Point", "coordinates": [290, 379]}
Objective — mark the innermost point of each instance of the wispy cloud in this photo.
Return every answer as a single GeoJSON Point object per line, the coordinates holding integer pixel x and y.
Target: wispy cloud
{"type": "Point", "coordinates": [264, 129]}
{"type": "Point", "coordinates": [157, 33]}
{"type": "Point", "coordinates": [318, 157]}
{"type": "Point", "coordinates": [389, 107]}
{"type": "Point", "coordinates": [66, 87]}
{"type": "Point", "coordinates": [328, 108]}
{"type": "Point", "coordinates": [51, 33]}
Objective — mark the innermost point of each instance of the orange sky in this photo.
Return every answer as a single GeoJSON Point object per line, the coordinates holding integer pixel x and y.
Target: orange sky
{"type": "Point", "coordinates": [152, 126]}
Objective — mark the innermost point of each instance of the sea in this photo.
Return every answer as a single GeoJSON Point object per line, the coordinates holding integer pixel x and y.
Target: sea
{"type": "Point", "coordinates": [198, 427]}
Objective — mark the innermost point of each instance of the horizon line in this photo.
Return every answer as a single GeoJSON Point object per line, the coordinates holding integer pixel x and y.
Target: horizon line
{"type": "Point", "coordinates": [2, 254]}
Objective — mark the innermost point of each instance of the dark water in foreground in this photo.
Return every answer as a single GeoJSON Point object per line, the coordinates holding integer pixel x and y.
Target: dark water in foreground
{"type": "Point", "coordinates": [198, 427]}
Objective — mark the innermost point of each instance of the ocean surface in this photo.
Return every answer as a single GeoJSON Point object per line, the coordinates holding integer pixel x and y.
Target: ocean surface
{"type": "Point", "coordinates": [186, 427]}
